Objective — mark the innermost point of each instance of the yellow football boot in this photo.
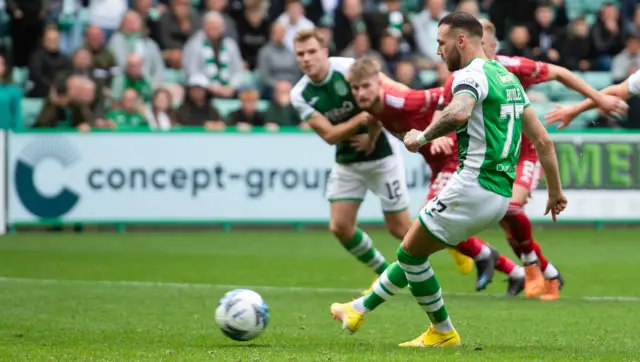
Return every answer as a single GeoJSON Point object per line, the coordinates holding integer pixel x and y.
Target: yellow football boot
{"type": "Point", "coordinates": [351, 320]}
{"type": "Point", "coordinates": [433, 338]}
{"type": "Point", "coordinates": [464, 264]}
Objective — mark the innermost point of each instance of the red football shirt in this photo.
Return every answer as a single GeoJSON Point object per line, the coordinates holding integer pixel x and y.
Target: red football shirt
{"type": "Point", "coordinates": [528, 71]}
{"type": "Point", "coordinates": [407, 109]}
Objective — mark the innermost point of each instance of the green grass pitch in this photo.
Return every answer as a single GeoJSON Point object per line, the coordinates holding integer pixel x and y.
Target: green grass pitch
{"type": "Point", "coordinates": [151, 297]}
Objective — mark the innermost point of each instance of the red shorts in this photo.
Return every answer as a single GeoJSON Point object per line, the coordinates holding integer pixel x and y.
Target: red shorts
{"type": "Point", "coordinates": [528, 173]}
{"type": "Point", "coordinates": [439, 179]}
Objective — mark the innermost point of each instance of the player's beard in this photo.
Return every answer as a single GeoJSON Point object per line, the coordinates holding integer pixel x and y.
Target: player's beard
{"type": "Point", "coordinates": [454, 60]}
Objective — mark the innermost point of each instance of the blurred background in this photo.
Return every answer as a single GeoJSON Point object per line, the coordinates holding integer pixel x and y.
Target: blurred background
{"type": "Point", "coordinates": [143, 78]}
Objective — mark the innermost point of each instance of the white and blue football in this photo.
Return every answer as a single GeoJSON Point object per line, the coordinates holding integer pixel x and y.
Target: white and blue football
{"type": "Point", "coordinates": [242, 314]}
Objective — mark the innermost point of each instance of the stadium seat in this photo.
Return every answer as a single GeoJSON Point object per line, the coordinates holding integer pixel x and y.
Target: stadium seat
{"type": "Point", "coordinates": [597, 80]}
{"type": "Point", "coordinates": [428, 76]}
{"type": "Point", "coordinates": [20, 76]}
{"type": "Point", "coordinates": [226, 106]}
{"type": "Point", "coordinates": [173, 76]}
{"type": "Point", "coordinates": [30, 110]}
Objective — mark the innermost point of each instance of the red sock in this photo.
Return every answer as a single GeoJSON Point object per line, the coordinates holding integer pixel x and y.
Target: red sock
{"type": "Point", "coordinates": [471, 247]}
{"type": "Point", "coordinates": [505, 265]}
{"type": "Point", "coordinates": [520, 228]}
{"type": "Point", "coordinates": [543, 261]}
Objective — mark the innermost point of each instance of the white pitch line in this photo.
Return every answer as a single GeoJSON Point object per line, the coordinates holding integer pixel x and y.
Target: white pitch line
{"type": "Point", "coordinates": [274, 288]}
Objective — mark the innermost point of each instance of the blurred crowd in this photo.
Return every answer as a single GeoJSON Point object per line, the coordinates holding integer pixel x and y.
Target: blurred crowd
{"type": "Point", "coordinates": [159, 64]}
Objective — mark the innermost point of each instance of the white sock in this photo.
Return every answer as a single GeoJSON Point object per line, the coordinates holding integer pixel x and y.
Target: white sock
{"type": "Point", "coordinates": [529, 258]}
{"type": "Point", "coordinates": [444, 326]}
{"type": "Point", "coordinates": [358, 306]}
{"type": "Point", "coordinates": [517, 273]}
{"type": "Point", "coordinates": [485, 253]}
{"type": "Point", "coordinates": [550, 272]}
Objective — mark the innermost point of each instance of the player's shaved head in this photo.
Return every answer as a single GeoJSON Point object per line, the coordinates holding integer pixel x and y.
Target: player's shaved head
{"type": "Point", "coordinates": [363, 68]}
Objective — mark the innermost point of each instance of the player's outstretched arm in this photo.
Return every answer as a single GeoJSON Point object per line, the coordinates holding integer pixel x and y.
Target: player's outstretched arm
{"type": "Point", "coordinates": [333, 134]}
{"type": "Point", "coordinates": [565, 114]}
{"type": "Point", "coordinates": [533, 128]}
{"type": "Point", "coordinates": [453, 116]}
{"type": "Point", "coordinates": [609, 103]}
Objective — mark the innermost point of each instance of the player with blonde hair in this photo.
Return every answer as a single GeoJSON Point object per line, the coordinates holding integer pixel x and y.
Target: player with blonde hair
{"type": "Point", "coordinates": [365, 161]}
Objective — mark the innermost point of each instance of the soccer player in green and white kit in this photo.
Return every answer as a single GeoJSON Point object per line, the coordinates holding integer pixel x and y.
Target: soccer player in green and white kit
{"type": "Point", "coordinates": [488, 112]}
{"type": "Point", "coordinates": [364, 161]}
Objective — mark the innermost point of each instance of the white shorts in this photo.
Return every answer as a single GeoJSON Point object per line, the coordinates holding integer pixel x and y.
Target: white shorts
{"type": "Point", "coordinates": [384, 177]}
{"type": "Point", "coordinates": [462, 209]}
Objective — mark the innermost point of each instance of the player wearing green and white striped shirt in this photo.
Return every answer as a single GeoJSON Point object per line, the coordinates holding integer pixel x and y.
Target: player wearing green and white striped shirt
{"type": "Point", "coordinates": [365, 160]}
{"type": "Point", "coordinates": [488, 112]}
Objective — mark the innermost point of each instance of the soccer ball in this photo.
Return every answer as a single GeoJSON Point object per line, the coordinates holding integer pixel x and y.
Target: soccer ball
{"type": "Point", "coordinates": [242, 314]}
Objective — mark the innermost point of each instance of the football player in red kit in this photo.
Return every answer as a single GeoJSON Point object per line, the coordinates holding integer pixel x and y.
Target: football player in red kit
{"type": "Point", "coordinates": [542, 278]}
{"type": "Point", "coordinates": [401, 110]}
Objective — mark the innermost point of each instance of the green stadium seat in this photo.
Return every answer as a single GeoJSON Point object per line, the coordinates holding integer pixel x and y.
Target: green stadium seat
{"type": "Point", "coordinates": [173, 76]}
{"type": "Point", "coordinates": [428, 76]}
{"type": "Point", "coordinates": [30, 110]}
{"type": "Point", "coordinates": [597, 80]}
{"type": "Point", "coordinates": [226, 106]}
{"type": "Point", "coordinates": [20, 76]}
{"type": "Point", "coordinates": [561, 93]}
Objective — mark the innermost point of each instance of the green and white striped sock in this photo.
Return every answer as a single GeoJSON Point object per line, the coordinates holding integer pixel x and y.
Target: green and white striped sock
{"type": "Point", "coordinates": [425, 288]}
{"type": "Point", "coordinates": [361, 246]}
{"type": "Point", "coordinates": [390, 282]}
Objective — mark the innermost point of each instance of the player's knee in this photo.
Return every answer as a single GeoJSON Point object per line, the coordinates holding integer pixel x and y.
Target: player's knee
{"type": "Point", "coordinates": [399, 227]}
{"type": "Point", "coordinates": [341, 229]}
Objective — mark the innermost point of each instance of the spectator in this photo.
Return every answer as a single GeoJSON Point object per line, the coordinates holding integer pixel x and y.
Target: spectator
{"type": "Point", "coordinates": [68, 25]}
{"type": "Point", "coordinates": [215, 55]}
{"type": "Point", "coordinates": [102, 60]}
{"type": "Point", "coordinates": [361, 47]}
{"type": "Point", "coordinates": [129, 115]}
{"type": "Point", "coordinates": [133, 78]}
{"type": "Point", "coordinates": [634, 26]}
{"type": "Point", "coordinates": [607, 36]}
{"type": "Point", "coordinates": [544, 35]}
{"type": "Point", "coordinates": [276, 62]}
{"type": "Point", "coordinates": [425, 28]}
{"type": "Point", "coordinates": [82, 67]}
{"type": "Point", "coordinates": [281, 112]}
{"type": "Point", "coordinates": [628, 61]}
{"type": "Point", "coordinates": [46, 62]}
{"type": "Point", "coordinates": [175, 29]}
{"type": "Point", "coordinates": [159, 113]}
{"type": "Point", "coordinates": [505, 12]}
{"type": "Point", "coordinates": [107, 14]}
{"type": "Point", "coordinates": [406, 74]}
{"type": "Point", "coordinates": [197, 109]}
{"type": "Point", "coordinates": [398, 24]}
{"type": "Point", "coordinates": [10, 99]}
{"type": "Point", "coordinates": [26, 18]}
{"type": "Point", "coordinates": [575, 46]}
{"type": "Point", "coordinates": [350, 20]}
{"type": "Point", "coordinates": [293, 21]}
{"type": "Point", "coordinates": [315, 10]}
{"type": "Point", "coordinates": [518, 45]}
{"type": "Point", "coordinates": [220, 6]}
{"type": "Point", "coordinates": [248, 115]}
{"type": "Point", "coordinates": [327, 33]}
{"type": "Point", "coordinates": [469, 6]}
{"type": "Point", "coordinates": [391, 53]}
{"type": "Point", "coordinates": [131, 39]}
{"type": "Point", "coordinates": [253, 30]}
{"type": "Point", "coordinates": [150, 16]}
{"type": "Point", "coordinates": [63, 109]}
